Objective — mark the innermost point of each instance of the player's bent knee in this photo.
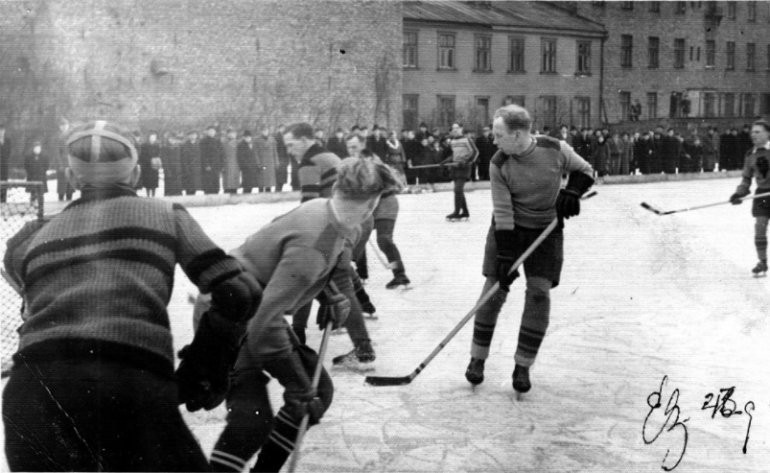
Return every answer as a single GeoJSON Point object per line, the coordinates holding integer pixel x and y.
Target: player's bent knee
{"type": "Point", "coordinates": [539, 289]}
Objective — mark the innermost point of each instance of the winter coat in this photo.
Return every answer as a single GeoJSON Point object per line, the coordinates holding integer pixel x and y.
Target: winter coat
{"type": "Point", "coordinates": [626, 158]}
{"type": "Point", "coordinates": [601, 158]}
{"type": "Point", "coordinates": [337, 146]}
{"type": "Point", "coordinates": [170, 155]}
{"type": "Point", "coordinates": [212, 160]}
{"type": "Point", "coordinates": [710, 152]}
{"type": "Point", "coordinates": [36, 166]}
{"type": "Point", "coordinates": [267, 159]}
{"type": "Point", "coordinates": [377, 146]}
{"type": "Point", "coordinates": [247, 161]}
{"type": "Point", "coordinates": [191, 166]}
{"type": "Point", "coordinates": [147, 152]}
{"type": "Point", "coordinates": [617, 149]}
{"type": "Point", "coordinates": [231, 178]}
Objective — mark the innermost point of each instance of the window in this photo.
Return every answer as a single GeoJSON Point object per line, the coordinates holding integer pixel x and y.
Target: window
{"type": "Point", "coordinates": [729, 105]}
{"type": "Point", "coordinates": [625, 104]}
{"type": "Point", "coordinates": [584, 57]}
{"type": "Point", "coordinates": [410, 111]}
{"type": "Point", "coordinates": [768, 57]}
{"type": "Point", "coordinates": [483, 53]}
{"type": "Point", "coordinates": [514, 100]}
{"type": "Point", "coordinates": [583, 111]}
{"type": "Point", "coordinates": [652, 105]}
{"type": "Point", "coordinates": [765, 104]}
{"type": "Point", "coordinates": [446, 51]}
{"type": "Point", "coordinates": [516, 45]}
{"type": "Point", "coordinates": [748, 105]}
{"type": "Point", "coordinates": [654, 7]}
{"type": "Point", "coordinates": [627, 5]}
{"type": "Point", "coordinates": [446, 110]}
{"type": "Point", "coordinates": [751, 50]}
{"type": "Point", "coordinates": [692, 50]}
{"type": "Point", "coordinates": [731, 10]}
{"type": "Point", "coordinates": [681, 7]}
{"type": "Point", "coordinates": [653, 48]}
{"type": "Point", "coordinates": [730, 55]}
{"type": "Point", "coordinates": [482, 107]}
{"type": "Point", "coordinates": [410, 49]}
{"type": "Point", "coordinates": [711, 47]}
{"type": "Point", "coordinates": [626, 50]}
{"type": "Point", "coordinates": [709, 100]}
{"type": "Point", "coordinates": [751, 11]}
{"type": "Point", "coordinates": [679, 53]}
{"type": "Point", "coordinates": [548, 110]}
{"type": "Point", "coordinates": [548, 54]}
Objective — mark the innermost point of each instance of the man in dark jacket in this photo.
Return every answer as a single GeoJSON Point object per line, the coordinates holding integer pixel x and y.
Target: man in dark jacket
{"type": "Point", "coordinates": [727, 150]}
{"type": "Point", "coordinates": [376, 143]}
{"type": "Point", "coordinates": [281, 172]}
{"type": "Point", "coordinates": [247, 161]}
{"type": "Point", "coordinates": [336, 144]}
{"type": "Point", "coordinates": [212, 160]}
{"type": "Point", "coordinates": [487, 148]}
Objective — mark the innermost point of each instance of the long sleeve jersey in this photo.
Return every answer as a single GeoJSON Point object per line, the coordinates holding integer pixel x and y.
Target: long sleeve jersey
{"type": "Point", "coordinates": [525, 187]}
{"type": "Point", "coordinates": [317, 173]}
{"type": "Point", "coordinates": [756, 166]}
{"type": "Point", "coordinates": [98, 276]}
{"type": "Point", "coordinates": [293, 258]}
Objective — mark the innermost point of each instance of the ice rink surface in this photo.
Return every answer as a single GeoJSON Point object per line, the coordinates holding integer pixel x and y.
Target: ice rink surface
{"type": "Point", "coordinates": [642, 297]}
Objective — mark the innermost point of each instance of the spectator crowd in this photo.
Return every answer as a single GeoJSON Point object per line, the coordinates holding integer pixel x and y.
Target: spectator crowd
{"type": "Point", "coordinates": [231, 161]}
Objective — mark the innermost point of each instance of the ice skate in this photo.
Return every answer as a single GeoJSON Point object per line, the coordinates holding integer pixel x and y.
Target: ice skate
{"type": "Point", "coordinates": [369, 310]}
{"type": "Point", "coordinates": [400, 280]}
{"type": "Point", "coordinates": [475, 371]}
{"type": "Point", "coordinates": [760, 269]}
{"type": "Point", "coordinates": [358, 359]}
{"type": "Point", "coordinates": [453, 217]}
{"type": "Point", "coordinates": [521, 382]}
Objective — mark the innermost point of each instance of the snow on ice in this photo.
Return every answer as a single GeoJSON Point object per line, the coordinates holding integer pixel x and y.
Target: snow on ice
{"type": "Point", "coordinates": [642, 297]}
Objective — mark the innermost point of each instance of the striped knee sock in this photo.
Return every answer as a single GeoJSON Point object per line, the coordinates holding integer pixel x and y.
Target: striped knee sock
{"type": "Point", "coordinates": [760, 238]}
{"type": "Point", "coordinates": [484, 325]}
{"type": "Point", "coordinates": [534, 323]}
{"type": "Point", "coordinates": [279, 445]}
{"type": "Point", "coordinates": [223, 461]}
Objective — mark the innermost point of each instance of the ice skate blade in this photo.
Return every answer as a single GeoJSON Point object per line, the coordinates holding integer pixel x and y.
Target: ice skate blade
{"type": "Point", "coordinates": [339, 331]}
{"type": "Point", "coordinates": [352, 365]}
{"type": "Point", "coordinates": [760, 275]}
{"type": "Point", "coordinates": [520, 396]}
{"type": "Point", "coordinates": [371, 316]}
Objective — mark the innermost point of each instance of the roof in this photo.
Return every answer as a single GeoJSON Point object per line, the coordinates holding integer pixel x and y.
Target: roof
{"type": "Point", "coordinates": [520, 14]}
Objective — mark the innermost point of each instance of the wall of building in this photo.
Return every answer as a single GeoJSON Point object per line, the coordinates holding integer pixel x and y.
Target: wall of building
{"type": "Point", "coordinates": [180, 64]}
{"type": "Point", "coordinates": [465, 85]}
{"type": "Point", "coordinates": [695, 78]}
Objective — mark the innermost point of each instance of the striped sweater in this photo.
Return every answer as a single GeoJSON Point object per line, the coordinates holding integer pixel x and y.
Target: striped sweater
{"type": "Point", "coordinates": [293, 258]}
{"type": "Point", "coordinates": [98, 277]}
{"type": "Point", "coordinates": [525, 187]}
{"type": "Point", "coordinates": [756, 166]}
{"type": "Point", "coordinates": [317, 173]}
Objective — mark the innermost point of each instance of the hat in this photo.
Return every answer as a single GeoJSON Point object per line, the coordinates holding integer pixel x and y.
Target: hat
{"type": "Point", "coordinates": [101, 153]}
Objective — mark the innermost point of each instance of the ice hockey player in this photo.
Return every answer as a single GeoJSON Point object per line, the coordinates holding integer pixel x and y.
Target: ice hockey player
{"type": "Point", "coordinates": [384, 216]}
{"type": "Point", "coordinates": [464, 154]}
{"type": "Point", "coordinates": [92, 385]}
{"type": "Point", "coordinates": [293, 258]}
{"type": "Point", "coordinates": [525, 175]}
{"type": "Point", "coordinates": [756, 165]}
{"type": "Point", "coordinates": [317, 175]}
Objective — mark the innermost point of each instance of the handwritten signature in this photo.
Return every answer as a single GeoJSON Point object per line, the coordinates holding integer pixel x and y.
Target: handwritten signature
{"type": "Point", "coordinates": [720, 403]}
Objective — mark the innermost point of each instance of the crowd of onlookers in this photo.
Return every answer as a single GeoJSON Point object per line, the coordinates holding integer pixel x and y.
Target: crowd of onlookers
{"type": "Point", "coordinates": [227, 160]}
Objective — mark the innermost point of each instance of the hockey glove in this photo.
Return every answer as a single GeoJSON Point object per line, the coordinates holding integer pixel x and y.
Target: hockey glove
{"type": "Point", "coordinates": [203, 374]}
{"type": "Point", "coordinates": [737, 198]}
{"type": "Point", "coordinates": [335, 307]}
{"type": "Point", "coordinates": [568, 201]}
{"type": "Point", "coordinates": [299, 397]}
{"type": "Point", "coordinates": [505, 259]}
{"type": "Point", "coordinates": [237, 297]}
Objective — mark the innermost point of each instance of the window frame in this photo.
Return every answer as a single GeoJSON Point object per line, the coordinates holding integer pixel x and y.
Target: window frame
{"type": "Point", "coordinates": [477, 38]}
{"type": "Point", "coordinates": [405, 109]}
{"type": "Point", "coordinates": [732, 9]}
{"type": "Point", "coordinates": [711, 53]}
{"type": "Point", "coordinates": [583, 110]}
{"type": "Point", "coordinates": [516, 39]}
{"type": "Point", "coordinates": [652, 105]}
{"type": "Point", "coordinates": [654, 7]}
{"type": "Point", "coordinates": [730, 56]}
{"type": "Point", "coordinates": [679, 52]}
{"type": "Point", "coordinates": [413, 48]}
{"type": "Point", "coordinates": [751, 11]}
{"type": "Point", "coordinates": [452, 57]}
{"type": "Point", "coordinates": [680, 8]}
{"type": "Point", "coordinates": [583, 67]}
{"type": "Point", "coordinates": [626, 51]}
{"type": "Point", "coordinates": [440, 109]}
{"type": "Point", "coordinates": [548, 55]}
{"type": "Point", "coordinates": [751, 57]}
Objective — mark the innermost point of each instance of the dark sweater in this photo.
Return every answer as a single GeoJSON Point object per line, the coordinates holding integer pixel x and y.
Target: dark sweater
{"type": "Point", "coordinates": [99, 275]}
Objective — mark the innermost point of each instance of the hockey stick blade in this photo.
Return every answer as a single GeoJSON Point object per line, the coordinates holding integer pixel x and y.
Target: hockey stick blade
{"type": "Point", "coordinates": [589, 195]}
{"type": "Point", "coordinates": [388, 381]}
{"type": "Point", "coordinates": [652, 209]}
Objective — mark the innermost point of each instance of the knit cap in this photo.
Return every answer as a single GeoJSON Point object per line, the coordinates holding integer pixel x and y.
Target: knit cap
{"type": "Point", "coordinates": [101, 153]}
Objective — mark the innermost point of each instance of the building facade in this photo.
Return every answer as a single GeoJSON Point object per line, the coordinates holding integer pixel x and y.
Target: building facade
{"type": "Point", "coordinates": [463, 60]}
{"type": "Point", "coordinates": [682, 60]}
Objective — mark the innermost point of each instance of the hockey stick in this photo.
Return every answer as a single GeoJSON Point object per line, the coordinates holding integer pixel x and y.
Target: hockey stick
{"type": "Point", "coordinates": [316, 380]}
{"type": "Point", "coordinates": [427, 166]}
{"type": "Point", "coordinates": [401, 380]}
{"type": "Point", "coordinates": [657, 211]}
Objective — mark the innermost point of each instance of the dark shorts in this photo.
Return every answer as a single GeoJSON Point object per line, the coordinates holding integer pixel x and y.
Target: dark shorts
{"type": "Point", "coordinates": [544, 262]}
{"type": "Point", "coordinates": [387, 209]}
{"type": "Point", "coordinates": [761, 207]}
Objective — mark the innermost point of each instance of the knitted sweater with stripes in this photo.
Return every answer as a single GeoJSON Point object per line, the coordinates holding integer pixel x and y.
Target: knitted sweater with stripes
{"type": "Point", "coordinates": [97, 278]}
{"type": "Point", "coordinates": [317, 173]}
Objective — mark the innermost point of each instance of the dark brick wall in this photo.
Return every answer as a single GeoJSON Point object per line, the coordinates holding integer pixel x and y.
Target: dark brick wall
{"type": "Point", "coordinates": [181, 64]}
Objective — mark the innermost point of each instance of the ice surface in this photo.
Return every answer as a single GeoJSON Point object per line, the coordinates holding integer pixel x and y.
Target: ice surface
{"type": "Point", "coordinates": [642, 296]}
